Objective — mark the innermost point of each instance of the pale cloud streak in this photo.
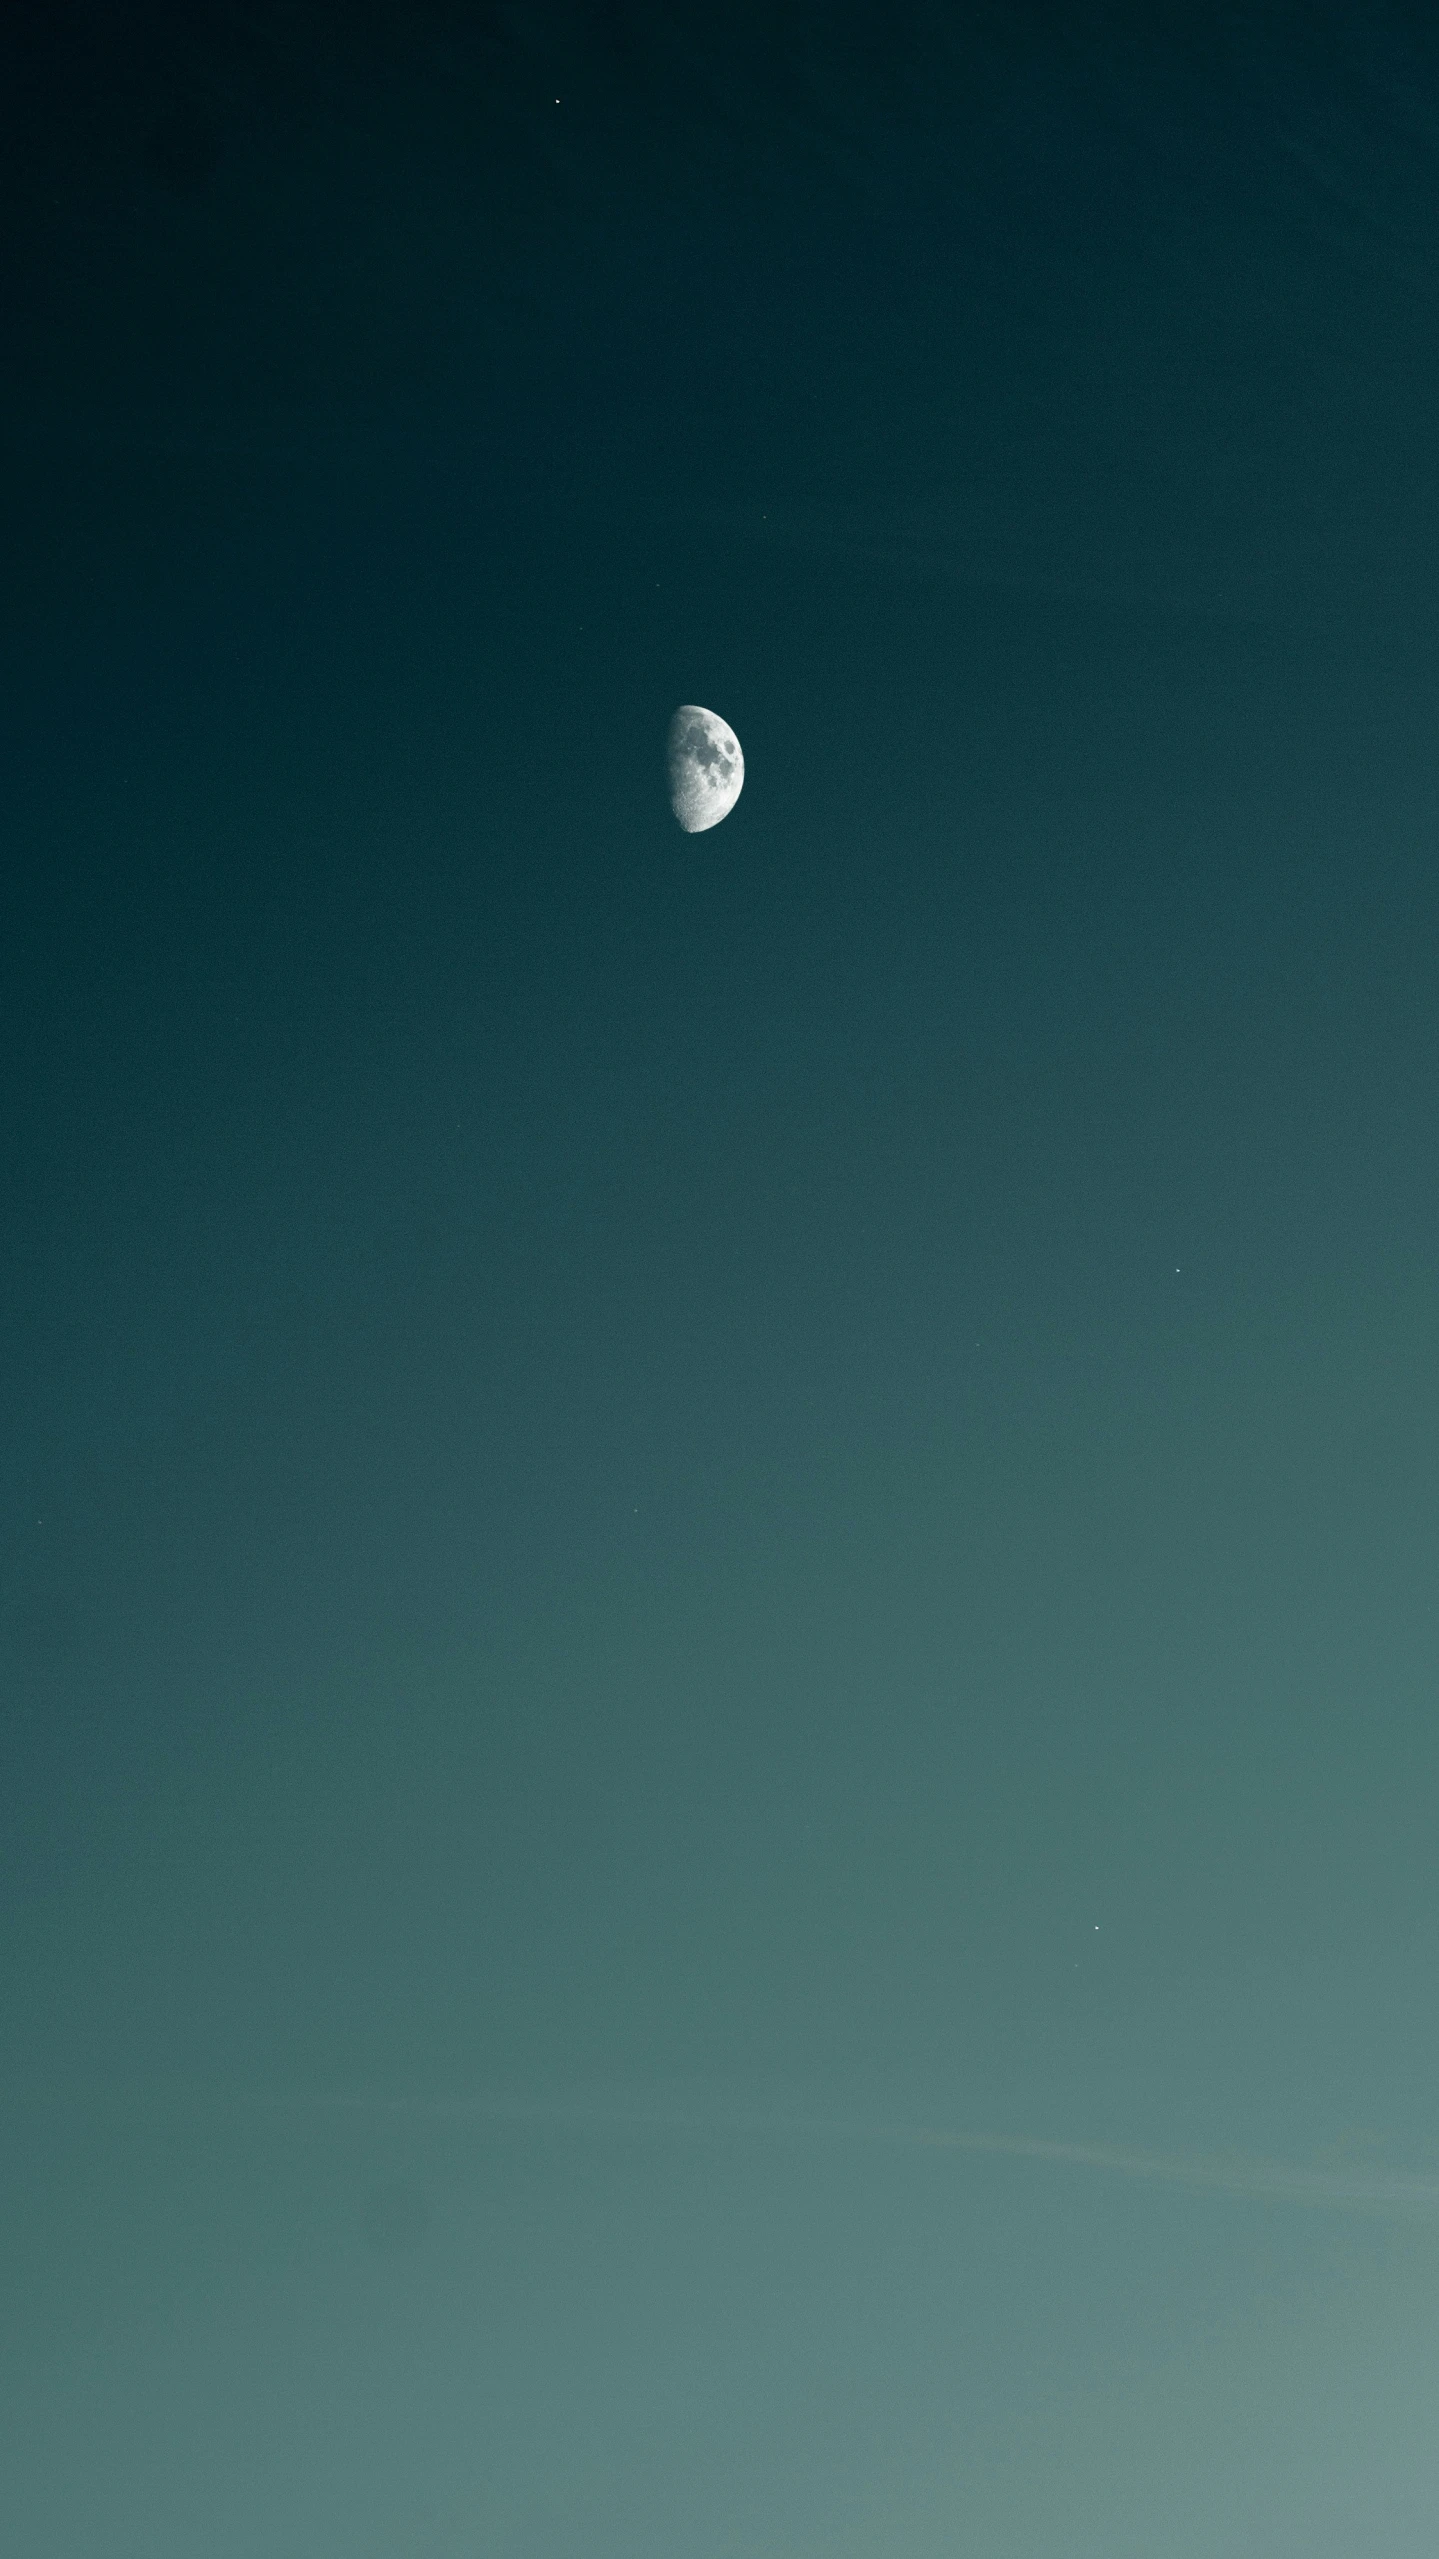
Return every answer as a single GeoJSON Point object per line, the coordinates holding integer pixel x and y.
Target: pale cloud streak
{"type": "Point", "coordinates": [1359, 2187]}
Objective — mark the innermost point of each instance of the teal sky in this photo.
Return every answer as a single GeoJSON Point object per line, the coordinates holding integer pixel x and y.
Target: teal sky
{"type": "Point", "coordinates": [717, 1574]}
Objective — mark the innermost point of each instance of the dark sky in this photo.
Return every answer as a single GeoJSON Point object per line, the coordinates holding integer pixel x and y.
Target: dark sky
{"type": "Point", "coordinates": [676, 1507]}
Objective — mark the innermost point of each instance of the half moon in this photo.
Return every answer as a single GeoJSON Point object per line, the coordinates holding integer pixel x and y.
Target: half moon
{"type": "Point", "coordinates": [706, 768]}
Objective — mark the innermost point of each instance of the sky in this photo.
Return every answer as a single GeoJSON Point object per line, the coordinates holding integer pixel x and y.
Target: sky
{"type": "Point", "coordinates": [717, 1553]}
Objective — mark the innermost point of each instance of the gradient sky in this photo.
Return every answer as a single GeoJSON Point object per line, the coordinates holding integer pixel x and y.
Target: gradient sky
{"type": "Point", "coordinates": [718, 1627]}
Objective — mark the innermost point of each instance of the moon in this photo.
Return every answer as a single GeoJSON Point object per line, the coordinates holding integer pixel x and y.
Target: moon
{"type": "Point", "coordinates": [706, 767]}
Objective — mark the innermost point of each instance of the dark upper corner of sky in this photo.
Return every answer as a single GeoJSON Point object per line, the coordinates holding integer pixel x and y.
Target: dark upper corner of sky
{"type": "Point", "coordinates": [154, 90]}
{"type": "Point", "coordinates": [515, 115]}
{"type": "Point", "coordinates": [576, 112]}
{"type": "Point", "coordinates": [889, 249]}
